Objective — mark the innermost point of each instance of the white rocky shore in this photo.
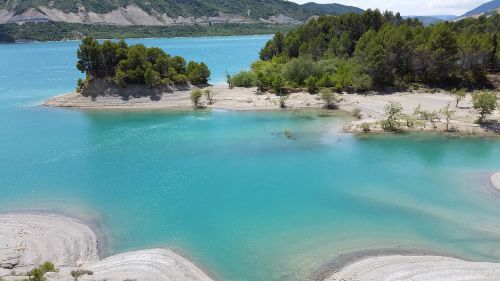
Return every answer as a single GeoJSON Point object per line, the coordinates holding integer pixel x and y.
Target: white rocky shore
{"type": "Point", "coordinates": [416, 268]}
{"type": "Point", "coordinates": [27, 240]}
{"type": "Point", "coordinates": [495, 180]}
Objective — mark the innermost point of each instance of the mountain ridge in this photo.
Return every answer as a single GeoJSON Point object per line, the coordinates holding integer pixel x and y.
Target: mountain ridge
{"type": "Point", "coordinates": [164, 12]}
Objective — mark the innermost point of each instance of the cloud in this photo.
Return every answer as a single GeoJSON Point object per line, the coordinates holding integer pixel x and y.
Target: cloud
{"type": "Point", "coordinates": [411, 7]}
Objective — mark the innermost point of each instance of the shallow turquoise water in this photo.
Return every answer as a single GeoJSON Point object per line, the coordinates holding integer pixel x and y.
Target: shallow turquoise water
{"type": "Point", "coordinates": [228, 188]}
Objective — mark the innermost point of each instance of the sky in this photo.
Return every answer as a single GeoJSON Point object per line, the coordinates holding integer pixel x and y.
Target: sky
{"type": "Point", "coordinates": [411, 7]}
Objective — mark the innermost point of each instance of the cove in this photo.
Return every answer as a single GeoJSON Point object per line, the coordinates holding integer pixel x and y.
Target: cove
{"type": "Point", "coordinates": [229, 188]}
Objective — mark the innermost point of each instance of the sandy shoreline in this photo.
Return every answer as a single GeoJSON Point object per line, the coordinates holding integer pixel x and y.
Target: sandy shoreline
{"type": "Point", "coordinates": [371, 106]}
{"type": "Point", "coordinates": [29, 239]}
{"type": "Point", "coordinates": [416, 268]}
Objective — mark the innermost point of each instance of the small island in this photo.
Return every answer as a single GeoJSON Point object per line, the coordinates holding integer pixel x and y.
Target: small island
{"type": "Point", "coordinates": [114, 68]}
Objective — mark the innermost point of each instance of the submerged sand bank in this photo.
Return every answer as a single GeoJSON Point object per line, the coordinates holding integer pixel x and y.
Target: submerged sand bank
{"type": "Point", "coordinates": [416, 268]}
{"type": "Point", "coordinates": [27, 240]}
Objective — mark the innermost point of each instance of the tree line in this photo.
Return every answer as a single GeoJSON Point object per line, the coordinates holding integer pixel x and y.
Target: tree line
{"type": "Point", "coordinates": [376, 50]}
{"type": "Point", "coordinates": [122, 64]}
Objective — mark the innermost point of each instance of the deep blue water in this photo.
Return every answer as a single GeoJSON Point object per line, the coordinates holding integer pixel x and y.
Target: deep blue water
{"type": "Point", "coordinates": [229, 188]}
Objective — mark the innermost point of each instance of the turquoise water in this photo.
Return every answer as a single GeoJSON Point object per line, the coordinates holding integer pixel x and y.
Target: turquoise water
{"type": "Point", "coordinates": [228, 188]}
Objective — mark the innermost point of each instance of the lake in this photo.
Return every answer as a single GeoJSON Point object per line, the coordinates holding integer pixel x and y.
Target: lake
{"type": "Point", "coordinates": [229, 188]}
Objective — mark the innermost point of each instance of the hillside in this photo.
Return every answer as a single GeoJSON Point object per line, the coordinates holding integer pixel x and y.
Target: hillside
{"type": "Point", "coordinates": [162, 12]}
{"type": "Point", "coordinates": [331, 8]}
{"type": "Point", "coordinates": [484, 8]}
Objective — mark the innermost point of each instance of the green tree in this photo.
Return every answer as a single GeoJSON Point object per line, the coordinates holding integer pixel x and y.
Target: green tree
{"type": "Point", "coordinates": [459, 94]}
{"type": "Point", "coordinates": [196, 96]}
{"type": "Point", "coordinates": [152, 77]}
{"type": "Point", "coordinates": [448, 114]}
{"type": "Point", "coordinates": [485, 103]}
{"type": "Point", "coordinates": [277, 84]}
{"type": "Point", "coordinates": [209, 95]}
{"type": "Point", "coordinates": [299, 69]}
{"type": "Point", "coordinates": [89, 58]}
{"type": "Point", "coordinates": [393, 111]}
{"type": "Point", "coordinates": [311, 83]}
{"type": "Point", "coordinates": [443, 53]}
{"type": "Point", "coordinates": [198, 73]}
{"type": "Point", "coordinates": [328, 98]}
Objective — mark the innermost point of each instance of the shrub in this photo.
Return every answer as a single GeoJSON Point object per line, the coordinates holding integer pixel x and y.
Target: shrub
{"type": "Point", "coordinates": [312, 88]}
{"type": "Point", "coordinates": [328, 98]}
{"type": "Point", "coordinates": [485, 103]}
{"type": "Point", "coordinates": [459, 94]}
{"type": "Point", "coordinates": [362, 83]}
{"type": "Point", "coordinates": [80, 272]}
{"type": "Point", "coordinates": [282, 101]}
{"type": "Point", "coordinates": [326, 81]}
{"type": "Point", "coordinates": [393, 112]}
{"type": "Point", "coordinates": [277, 84]}
{"type": "Point", "coordinates": [448, 115]}
{"type": "Point", "coordinates": [209, 95]}
{"type": "Point", "coordinates": [80, 84]}
{"type": "Point", "coordinates": [365, 127]}
{"type": "Point", "coordinates": [36, 274]}
{"type": "Point", "coordinates": [180, 78]}
{"type": "Point", "coordinates": [243, 79]}
{"type": "Point", "coordinates": [196, 95]}
{"type": "Point", "coordinates": [198, 73]}
{"type": "Point", "coordinates": [357, 113]}
{"type": "Point", "coordinates": [299, 69]}
{"type": "Point", "coordinates": [152, 78]}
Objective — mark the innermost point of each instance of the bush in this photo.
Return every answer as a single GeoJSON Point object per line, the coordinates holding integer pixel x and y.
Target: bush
{"type": "Point", "coordinates": [198, 73]}
{"type": "Point", "coordinates": [196, 96]}
{"type": "Point", "coordinates": [312, 88]}
{"type": "Point", "coordinates": [80, 84]}
{"type": "Point", "coordinates": [459, 94]}
{"type": "Point", "coordinates": [485, 103]}
{"type": "Point", "coordinates": [393, 112]}
{"type": "Point", "coordinates": [80, 272]}
{"type": "Point", "coordinates": [244, 79]}
{"type": "Point", "coordinates": [180, 79]}
{"type": "Point", "coordinates": [209, 95]}
{"type": "Point", "coordinates": [365, 127]}
{"type": "Point", "coordinates": [277, 84]}
{"type": "Point", "coordinates": [36, 274]}
{"type": "Point", "coordinates": [282, 101]}
{"type": "Point", "coordinates": [299, 69]}
{"type": "Point", "coordinates": [362, 83]}
{"type": "Point", "coordinates": [328, 98]}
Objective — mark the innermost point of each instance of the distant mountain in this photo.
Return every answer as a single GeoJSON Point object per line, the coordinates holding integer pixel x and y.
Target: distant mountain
{"type": "Point", "coordinates": [163, 12]}
{"type": "Point", "coordinates": [334, 8]}
{"type": "Point", "coordinates": [445, 17]}
{"type": "Point", "coordinates": [426, 20]}
{"type": "Point", "coordinates": [484, 8]}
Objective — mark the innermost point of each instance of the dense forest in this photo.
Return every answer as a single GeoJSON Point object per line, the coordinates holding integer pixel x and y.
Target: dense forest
{"type": "Point", "coordinates": [123, 65]}
{"type": "Point", "coordinates": [378, 50]}
{"type": "Point", "coordinates": [55, 31]}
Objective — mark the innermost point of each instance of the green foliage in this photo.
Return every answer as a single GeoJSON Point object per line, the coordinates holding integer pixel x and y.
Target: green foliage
{"type": "Point", "coordinates": [311, 83]}
{"type": "Point", "coordinates": [196, 96]}
{"type": "Point", "coordinates": [80, 84]}
{"type": "Point", "coordinates": [36, 274]}
{"type": "Point", "coordinates": [282, 101]}
{"type": "Point", "coordinates": [448, 114]}
{"type": "Point", "coordinates": [459, 94]}
{"type": "Point", "coordinates": [277, 83]}
{"type": "Point", "coordinates": [55, 31]}
{"type": "Point", "coordinates": [209, 95]}
{"type": "Point", "coordinates": [136, 64]}
{"type": "Point", "coordinates": [365, 127]}
{"type": "Point", "coordinates": [299, 69]}
{"type": "Point", "coordinates": [198, 73]}
{"type": "Point", "coordinates": [328, 98]}
{"type": "Point", "coordinates": [244, 79]}
{"type": "Point", "coordinates": [80, 272]}
{"type": "Point", "coordinates": [383, 50]}
{"type": "Point", "coordinates": [357, 113]}
{"type": "Point", "coordinates": [485, 103]}
{"type": "Point", "coordinates": [393, 111]}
